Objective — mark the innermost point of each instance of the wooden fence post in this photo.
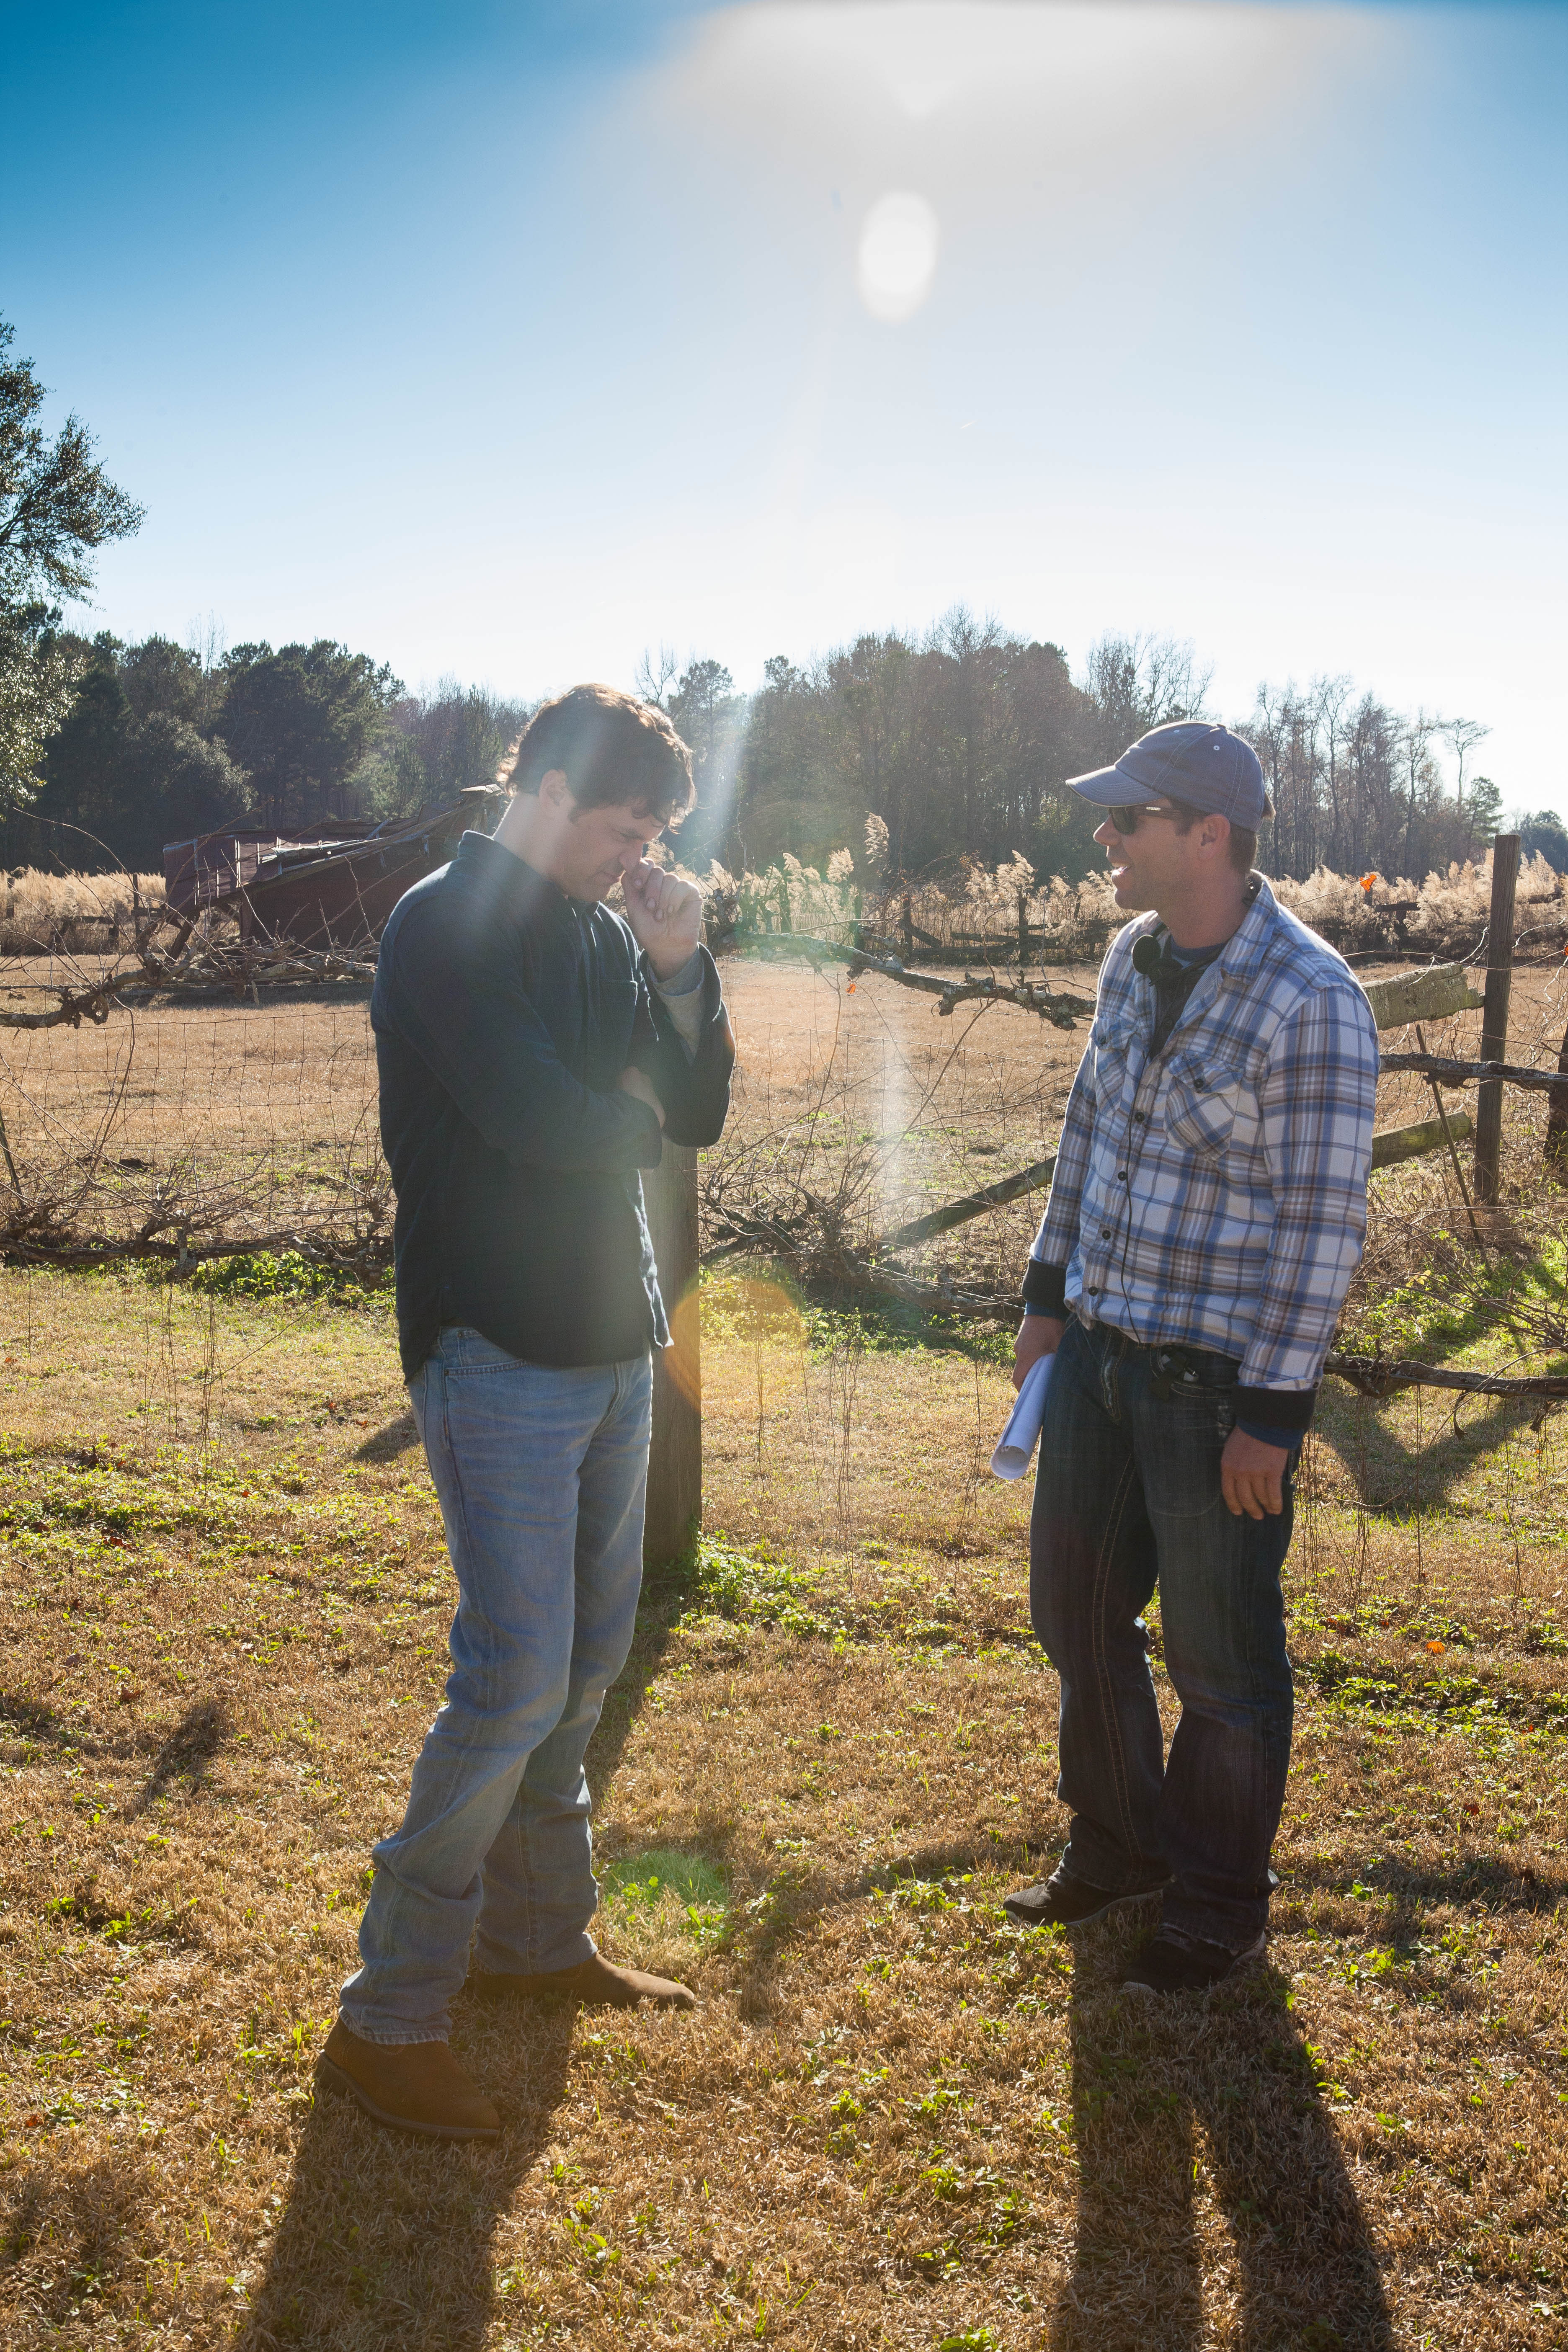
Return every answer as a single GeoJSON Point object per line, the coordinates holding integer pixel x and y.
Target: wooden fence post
{"type": "Point", "coordinates": [1494, 1019]}
{"type": "Point", "coordinates": [674, 1464]}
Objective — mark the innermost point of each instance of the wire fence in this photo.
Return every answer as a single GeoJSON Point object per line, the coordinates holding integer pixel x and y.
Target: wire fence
{"type": "Point", "coordinates": [221, 1101]}
{"type": "Point", "coordinates": [217, 1120]}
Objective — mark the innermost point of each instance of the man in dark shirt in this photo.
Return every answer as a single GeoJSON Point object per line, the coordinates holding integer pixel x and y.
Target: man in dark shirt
{"type": "Point", "coordinates": [534, 1051]}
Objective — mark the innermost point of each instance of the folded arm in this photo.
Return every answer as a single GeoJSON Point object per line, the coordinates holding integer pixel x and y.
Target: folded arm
{"type": "Point", "coordinates": [685, 1047]}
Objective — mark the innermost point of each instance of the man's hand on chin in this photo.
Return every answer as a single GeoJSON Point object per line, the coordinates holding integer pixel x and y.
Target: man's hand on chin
{"type": "Point", "coordinates": [664, 914]}
{"type": "Point", "coordinates": [1251, 1475]}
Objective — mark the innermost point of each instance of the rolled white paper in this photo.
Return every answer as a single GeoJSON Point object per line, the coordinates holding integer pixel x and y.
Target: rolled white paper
{"type": "Point", "coordinates": [1016, 1446]}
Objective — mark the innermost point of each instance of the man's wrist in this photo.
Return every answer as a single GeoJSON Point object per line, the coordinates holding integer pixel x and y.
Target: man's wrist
{"type": "Point", "coordinates": [684, 974]}
{"type": "Point", "coordinates": [1282, 1440]}
{"type": "Point", "coordinates": [1277, 1416]}
{"type": "Point", "coordinates": [1045, 1289]}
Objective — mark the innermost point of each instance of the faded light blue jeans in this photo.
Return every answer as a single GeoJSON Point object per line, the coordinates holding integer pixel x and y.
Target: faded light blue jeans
{"type": "Point", "coordinates": [1127, 1496]}
{"type": "Point", "coordinates": [541, 1476]}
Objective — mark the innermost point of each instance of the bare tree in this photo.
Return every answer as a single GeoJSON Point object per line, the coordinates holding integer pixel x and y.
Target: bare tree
{"type": "Point", "coordinates": [1422, 785]}
{"type": "Point", "coordinates": [656, 674]}
{"type": "Point", "coordinates": [1142, 681]}
{"type": "Point", "coordinates": [1462, 736]}
{"type": "Point", "coordinates": [1331, 698]}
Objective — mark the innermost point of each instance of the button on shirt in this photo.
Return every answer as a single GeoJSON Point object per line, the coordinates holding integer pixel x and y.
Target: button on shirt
{"type": "Point", "coordinates": [1213, 1193]}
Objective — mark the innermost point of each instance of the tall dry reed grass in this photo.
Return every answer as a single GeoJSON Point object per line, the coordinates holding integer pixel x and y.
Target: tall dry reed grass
{"type": "Point", "coordinates": [76, 914]}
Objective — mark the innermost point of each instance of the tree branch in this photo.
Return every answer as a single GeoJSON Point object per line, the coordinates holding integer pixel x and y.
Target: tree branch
{"type": "Point", "coordinates": [1450, 1073]}
{"type": "Point", "coordinates": [1376, 1378]}
{"type": "Point", "coordinates": [1055, 1005]}
{"type": "Point", "coordinates": [93, 1004]}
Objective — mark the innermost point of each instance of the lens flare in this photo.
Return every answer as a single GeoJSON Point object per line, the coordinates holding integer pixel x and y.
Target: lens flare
{"type": "Point", "coordinates": [896, 260]}
{"type": "Point", "coordinates": [745, 1307]}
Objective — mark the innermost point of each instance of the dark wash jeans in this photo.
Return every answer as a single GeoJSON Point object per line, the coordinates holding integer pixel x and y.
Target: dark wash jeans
{"type": "Point", "coordinates": [1127, 1496]}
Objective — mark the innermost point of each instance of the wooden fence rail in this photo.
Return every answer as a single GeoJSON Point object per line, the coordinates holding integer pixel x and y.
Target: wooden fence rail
{"type": "Point", "coordinates": [1449, 1072]}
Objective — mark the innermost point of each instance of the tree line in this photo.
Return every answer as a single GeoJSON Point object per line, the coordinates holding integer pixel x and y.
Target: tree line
{"type": "Point", "coordinates": [163, 741]}
{"type": "Point", "coordinates": [961, 740]}
{"type": "Point", "coordinates": [958, 740]}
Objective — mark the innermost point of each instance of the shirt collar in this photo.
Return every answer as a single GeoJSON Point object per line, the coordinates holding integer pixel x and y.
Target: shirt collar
{"type": "Point", "coordinates": [515, 885]}
{"type": "Point", "coordinates": [1244, 950]}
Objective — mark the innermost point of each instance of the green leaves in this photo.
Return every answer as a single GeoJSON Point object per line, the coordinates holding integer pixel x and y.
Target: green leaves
{"type": "Point", "coordinates": [57, 504]}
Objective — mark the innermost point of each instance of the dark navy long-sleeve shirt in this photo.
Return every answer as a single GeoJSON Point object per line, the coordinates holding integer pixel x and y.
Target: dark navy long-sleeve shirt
{"type": "Point", "coordinates": [504, 1013]}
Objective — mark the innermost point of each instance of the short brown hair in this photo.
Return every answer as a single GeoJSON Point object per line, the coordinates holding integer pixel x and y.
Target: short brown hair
{"type": "Point", "coordinates": [612, 749]}
{"type": "Point", "coordinates": [1241, 848]}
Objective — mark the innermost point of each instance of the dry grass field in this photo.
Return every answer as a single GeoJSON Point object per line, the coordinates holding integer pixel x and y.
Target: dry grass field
{"type": "Point", "coordinates": [894, 2120]}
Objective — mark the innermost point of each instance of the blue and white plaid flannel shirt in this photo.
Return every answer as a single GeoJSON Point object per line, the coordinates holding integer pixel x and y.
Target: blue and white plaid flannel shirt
{"type": "Point", "coordinates": [1215, 1196]}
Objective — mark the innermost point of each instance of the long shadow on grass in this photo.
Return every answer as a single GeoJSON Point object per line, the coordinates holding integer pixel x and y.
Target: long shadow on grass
{"type": "Point", "coordinates": [70, 2235]}
{"type": "Point", "coordinates": [1226, 2085]}
{"type": "Point", "coordinates": [388, 2241]}
{"type": "Point", "coordinates": [1483, 1881]}
{"type": "Point", "coordinates": [30, 1719]}
{"type": "Point", "coordinates": [186, 1753]}
{"type": "Point", "coordinates": [393, 1439]}
{"type": "Point", "coordinates": [1395, 1475]}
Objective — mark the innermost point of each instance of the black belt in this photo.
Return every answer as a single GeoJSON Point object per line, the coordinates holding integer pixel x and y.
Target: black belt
{"type": "Point", "coordinates": [1178, 1367]}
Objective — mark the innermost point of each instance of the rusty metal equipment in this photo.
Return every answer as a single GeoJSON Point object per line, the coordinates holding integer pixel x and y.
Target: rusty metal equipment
{"type": "Point", "coordinates": [330, 885]}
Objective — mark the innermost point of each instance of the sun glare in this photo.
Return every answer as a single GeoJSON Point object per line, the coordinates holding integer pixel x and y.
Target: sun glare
{"type": "Point", "coordinates": [895, 259]}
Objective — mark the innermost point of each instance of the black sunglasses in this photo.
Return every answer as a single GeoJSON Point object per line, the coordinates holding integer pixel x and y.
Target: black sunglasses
{"type": "Point", "coordinates": [1127, 818]}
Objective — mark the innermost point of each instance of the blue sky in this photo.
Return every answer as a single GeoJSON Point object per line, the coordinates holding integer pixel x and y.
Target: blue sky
{"type": "Point", "coordinates": [509, 341]}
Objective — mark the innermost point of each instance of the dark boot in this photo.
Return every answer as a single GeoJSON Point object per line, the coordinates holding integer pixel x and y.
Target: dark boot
{"type": "Point", "coordinates": [414, 2087]}
{"type": "Point", "coordinates": [1063, 1901]}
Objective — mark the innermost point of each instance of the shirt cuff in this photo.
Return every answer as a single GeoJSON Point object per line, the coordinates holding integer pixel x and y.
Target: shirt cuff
{"type": "Point", "coordinates": [688, 977]}
{"type": "Point", "coordinates": [1282, 1438]}
{"type": "Point", "coordinates": [682, 998]}
{"type": "Point", "coordinates": [1046, 1289]}
{"type": "Point", "coordinates": [1288, 1413]}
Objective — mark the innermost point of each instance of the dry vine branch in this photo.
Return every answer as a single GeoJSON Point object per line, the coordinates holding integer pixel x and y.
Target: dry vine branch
{"type": "Point", "coordinates": [275, 964]}
{"type": "Point", "coordinates": [1448, 1072]}
{"type": "Point", "coordinates": [1032, 1179]}
{"type": "Point", "coordinates": [1376, 1378]}
{"type": "Point", "coordinates": [1055, 1005]}
{"type": "Point", "coordinates": [145, 1246]}
{"type": "Point", "coordinates": [93, 1004]}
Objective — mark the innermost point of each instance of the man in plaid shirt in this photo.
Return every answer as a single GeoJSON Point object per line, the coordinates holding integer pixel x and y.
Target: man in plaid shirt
{"type": "Point", "coordinates": [1206, 1218]}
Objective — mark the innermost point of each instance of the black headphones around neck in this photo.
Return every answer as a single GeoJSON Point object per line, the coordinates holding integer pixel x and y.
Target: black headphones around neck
{"type": "Point", "coordinates": [1152, 955]}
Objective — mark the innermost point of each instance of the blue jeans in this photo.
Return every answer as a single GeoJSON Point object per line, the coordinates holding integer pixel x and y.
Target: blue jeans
{"type": "Point", "coordinates": [1129, 1494]}
{"type": "Point", "coordinates": [541, 1476]}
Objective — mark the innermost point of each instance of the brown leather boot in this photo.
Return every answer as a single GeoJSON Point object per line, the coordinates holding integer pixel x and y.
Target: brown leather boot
{"type": "Point", "coordinates": [414, 2087]}
{"type": "Point", "coordinates": [595, 1981]}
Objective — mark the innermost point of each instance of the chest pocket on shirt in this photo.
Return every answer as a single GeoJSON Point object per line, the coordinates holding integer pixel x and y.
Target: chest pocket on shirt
{"type": "Point", "coordinates": [1111, 1042]}
{"type": "Point", "coordinates": [1209, 1105]}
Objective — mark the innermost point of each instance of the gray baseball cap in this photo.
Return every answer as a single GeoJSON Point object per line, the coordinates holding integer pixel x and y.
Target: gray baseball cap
{"type": "Point", "coordinates": [1207, 767]}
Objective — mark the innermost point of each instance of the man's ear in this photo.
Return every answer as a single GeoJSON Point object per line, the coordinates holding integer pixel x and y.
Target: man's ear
{"type": "Point", "coordinates": [555, 791]}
